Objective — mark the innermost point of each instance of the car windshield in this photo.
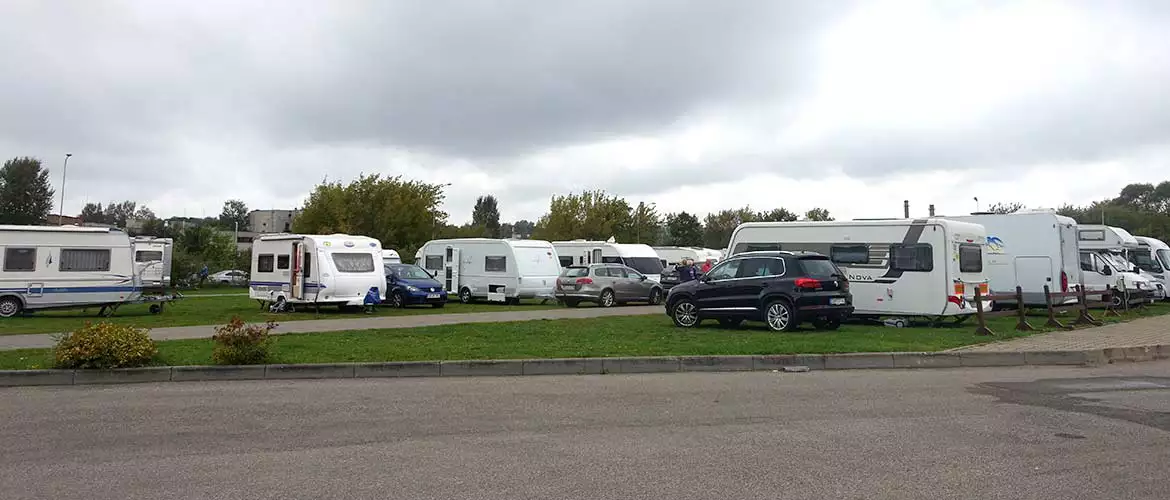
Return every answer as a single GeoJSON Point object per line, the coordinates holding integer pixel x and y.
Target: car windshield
{"type": "Point", "coordinates": [409, 272]}
{"type": "Point", "coordinates": [819, 267]}
{"type": "Point", "coordinates": [1117, 261]}
{"type": "Point", "coordinates": [1164, 257]}
{"type": "Point", "coordinates": [644, 265]}
{"type": "Point", "coordinates": [575, 272]}
{"type": "Point", "coordinates": [1145, 261]}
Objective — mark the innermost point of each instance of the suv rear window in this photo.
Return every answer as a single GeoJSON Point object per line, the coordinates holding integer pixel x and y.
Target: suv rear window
{"type": "Point", "coordinates": [818, 267]}
{"type": "Point", "coordinates": [575, 272]}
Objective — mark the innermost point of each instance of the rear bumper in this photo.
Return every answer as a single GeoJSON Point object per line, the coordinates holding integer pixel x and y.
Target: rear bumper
{"type": "Point", "coordinates": [816, 310]}
{"type": "Point", "coordinates": [562, 295]}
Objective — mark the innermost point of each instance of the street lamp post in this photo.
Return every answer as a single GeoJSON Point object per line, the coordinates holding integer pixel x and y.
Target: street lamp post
{"type": "Point", "coordinates": [61, 209]}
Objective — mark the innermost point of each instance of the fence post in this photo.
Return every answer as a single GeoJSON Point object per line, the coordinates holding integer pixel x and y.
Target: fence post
{"type": "Point", "coordinates": [982, 328]}
{"type": "Point", "coordinates": [1084, 318]}
{"type": "Point", "coordinates": [1022, 312]}
{"type": "Point", "coordinates": [1052, 321]}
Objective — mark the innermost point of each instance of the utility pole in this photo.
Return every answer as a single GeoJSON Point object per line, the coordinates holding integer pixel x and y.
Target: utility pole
{"type": "Point", "coordinates": [61, 209]}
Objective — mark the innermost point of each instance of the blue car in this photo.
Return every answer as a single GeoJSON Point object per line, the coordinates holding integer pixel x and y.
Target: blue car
{"type": "Point", "coordinates": [408, 284]}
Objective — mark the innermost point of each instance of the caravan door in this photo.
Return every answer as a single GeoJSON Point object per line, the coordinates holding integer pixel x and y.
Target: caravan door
{"type": "Point", "coordinates": [296, 283]}
{"type": "Point", "coordinates": [595, 256]}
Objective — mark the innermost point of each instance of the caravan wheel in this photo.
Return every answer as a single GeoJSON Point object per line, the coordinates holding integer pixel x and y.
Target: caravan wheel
{"type": "Point", "coordinates": [465, 295]}
{"type": "Point", "coordinates": [9, 307]}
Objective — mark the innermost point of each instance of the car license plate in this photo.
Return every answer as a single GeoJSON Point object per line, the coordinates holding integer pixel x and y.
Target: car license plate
{"type": "Point", "coordinates": [432, 295]}
{"type": "Point", "coordinates": [837, 302]}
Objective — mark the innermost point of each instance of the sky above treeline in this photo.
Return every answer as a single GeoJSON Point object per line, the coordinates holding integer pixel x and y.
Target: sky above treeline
{"type": "Point", "coordinates": [849, 105]}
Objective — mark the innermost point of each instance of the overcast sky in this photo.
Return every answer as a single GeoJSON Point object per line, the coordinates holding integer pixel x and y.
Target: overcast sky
{"type": "Point", "coordinates": [848, 105]}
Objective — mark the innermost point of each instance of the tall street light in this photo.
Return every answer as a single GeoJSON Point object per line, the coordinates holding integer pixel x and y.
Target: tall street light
{"type": "Point", "coordinates": [61, 209]}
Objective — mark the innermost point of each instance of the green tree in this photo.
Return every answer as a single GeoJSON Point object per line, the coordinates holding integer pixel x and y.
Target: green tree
{"type": "Point", "coordinates": [523, 228]}
{"type": "Point", "coordinates": [196, 246]}
{"type": "Point", "coordinates": [93, 212]}
{"type": "Point", "coordinates": [818, 215]}
{"type": "Point", "coordinates": [1006, 208]}
{"type": "Point", "coordinates": [592, 215]}
{"type": "Point", "coordinates": [402, 214]}
{"type": "Point", "coordinates": [776, 215]}
{"type": "Point", "coordinates": [234, 215]}
{"type": "Point", "coordinates": [486, 214]}
{"type": "Point", "coordinates": [718, 226]}
{"type": "Point", "coordinates": [25, 195]}
{"type": "Point", "coordinates": [684, 230]}
{"type": "Point", "coordinates": [645, 226]}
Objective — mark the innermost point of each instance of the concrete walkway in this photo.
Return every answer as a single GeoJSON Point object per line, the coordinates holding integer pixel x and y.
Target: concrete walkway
{"type": "Point", "coordinates": [1137, 333]}
{"type": "Point", "coordinates": [9, 342]}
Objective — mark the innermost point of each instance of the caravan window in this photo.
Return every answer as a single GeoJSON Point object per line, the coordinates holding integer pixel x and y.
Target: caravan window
{"type": "Point", "coordinates": [918, 257]}
{"type": "Point", "coordinates": [970, 258]}
{"type": "Point", "coordinates": [849, 254]}
{"type": "Point", "coordinates": [265, 263]}
{"type": "Point", "coordinates": [433, 262]}
{"type": "Point", "coordinates": [282, 261]}
{"type": "Point", "coordinates": [87, 260]}
{"type": "Point", "coordinates": [757, 247]}
{"type": "Point", "coordinates": [354, 262]}
{"type": "Point", "coordinates": [495, 264]}
{"type": "Point", "coordinates": [147, 256]}
{"type": "Point", "coordinates": [20, 259]}
{"type": "Point", "coordinates": [566, 261]}
{"type": "Point", "coordinates": [1092, 235]}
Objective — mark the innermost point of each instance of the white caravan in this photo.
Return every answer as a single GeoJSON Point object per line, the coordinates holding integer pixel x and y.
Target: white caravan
{"type": "Point", "coordinates": [1153, 257]}
{"type": "Point", "coordinates": [1031, 250]}
{"type": "Point", "coordinates": [897, 267]}
{"type": "Point", "coordinates": [390, 257]}
{"type": "Point", "coordinates": [491, 269]}
{"type": "Point", "coordinates": [641, 257]}
{"type": "Point", "coordinates": [302, 269]}
{"type": "Point", "coordinates": [671, 256]}
{"type": "Point", "coordinates": [48, 267]}
{"type": "Point", "coordinates": [152, 261]}
{"type": "Point", "coordinates": [1105, 260]}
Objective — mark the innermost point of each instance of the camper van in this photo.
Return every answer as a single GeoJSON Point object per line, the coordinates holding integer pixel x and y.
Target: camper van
{"type": "Point", "coordinates": [641, 258]}
{"type": "Point", "coordinates": [1031, 250]}
{"type": "Point", "coordinates": [1153, 257]}
{"type": "Point", "coordinates": [491, 269]}
{"type": "Point", "coordinates": [390, 257]}
{"type": "Point", "coordinates": [302, 269]}
{"type": "Point", "coordinates": [152, 261]}
{"type": "Point", "coordinates": [897, 267]}
{"type": "Point", "coordinates": [51, 267]}
{"type": "Point", "coordinates": [1105, 261]}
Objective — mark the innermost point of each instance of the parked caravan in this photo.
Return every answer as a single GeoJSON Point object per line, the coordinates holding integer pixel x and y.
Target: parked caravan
{"type": "Point", "coordinates": [302, 269]}
{"type": "Point", "coordinates": [672, 256]}
{"type": "Point", "coordinates": [1031, 250]}
{"type": "Point", "coordinates": [898, 267]}
{"type": "Point", "coordinates": [390, 257]}
{"type": "Point", "coordinates": [640, 257]}
{"type": "Point", "coordinates": [48, 267]}
{"type": "Point", "coordinates": [1153, 257]}
{"type": "Point", "coordinates": [1105, 261]}
{"type": "Point", "coordinates": [152, 261]}
{"type": "Point", "coordinates": [491, 269]}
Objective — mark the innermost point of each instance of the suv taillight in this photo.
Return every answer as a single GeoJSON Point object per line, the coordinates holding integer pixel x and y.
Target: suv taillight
{"type": "Point", "coordinates": [807, 283]}
{"type": "Point", "coordinates": [1063, 281]}
{"type": "Point", "coordinates": [584, 281]}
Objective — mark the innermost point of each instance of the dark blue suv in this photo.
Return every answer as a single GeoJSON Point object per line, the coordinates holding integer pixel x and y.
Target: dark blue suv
{"type": "Point", "coordinates": [408, 284]}
{"type": "Point", "coordinates": [782, 289]}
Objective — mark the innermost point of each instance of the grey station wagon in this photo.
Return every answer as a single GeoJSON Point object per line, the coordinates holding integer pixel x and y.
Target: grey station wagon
{"type": "Point", "coordinates": [606, 285]}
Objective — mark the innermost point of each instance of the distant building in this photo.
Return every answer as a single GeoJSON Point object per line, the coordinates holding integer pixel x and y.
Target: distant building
{"type": "Point", "coordinates": [243, 239]}
{"type": "Point", "coordinates": [272, 221]}
{"type": "Point", "coordinates": [59, 220]}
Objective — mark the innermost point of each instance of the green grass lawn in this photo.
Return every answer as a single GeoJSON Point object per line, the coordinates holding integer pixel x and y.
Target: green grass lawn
{"type": "Point", "coordinates": [649, 335]}
{"type": "Point", "coordinates": [199, 310]}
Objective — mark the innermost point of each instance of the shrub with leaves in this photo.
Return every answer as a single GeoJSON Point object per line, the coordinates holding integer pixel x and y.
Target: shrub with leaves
{"type": "Point", "coordinates": [237, 343]}
{"type": "Point", "coordinates": [103, 346]}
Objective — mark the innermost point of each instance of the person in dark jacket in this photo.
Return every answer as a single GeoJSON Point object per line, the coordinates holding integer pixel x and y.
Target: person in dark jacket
{"type": "Point", "coordinates": [686, 271]}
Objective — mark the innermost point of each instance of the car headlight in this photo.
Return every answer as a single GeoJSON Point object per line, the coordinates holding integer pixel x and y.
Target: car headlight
{"type": "Point", "coordinates": [411, 288]}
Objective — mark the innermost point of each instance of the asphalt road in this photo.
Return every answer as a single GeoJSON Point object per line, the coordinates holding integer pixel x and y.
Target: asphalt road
{"type": "Point", "coordinates": [1019, 433]}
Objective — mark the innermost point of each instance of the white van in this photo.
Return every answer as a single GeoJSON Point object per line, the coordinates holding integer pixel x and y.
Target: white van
{"type": "Point", "coordinates": [152, 261]}
{"type": "Point", "coordinates": [640, 257]}
{"type": "Point", "coordinates": [390, 257]}
{"type": "Point", "coordinates": [1031, 250]}
{"type": "Point", "coordinates": [303, 269]}
{"type": "Point", "coordinates": [1153, 257]}
{"type": "Point", "coordinates": [1105, 261]}
{"type": "Point", "coordinates": [53, 267]}
{"type": "Point", "coordinates": [895, 267]}
{"type": "Point", "coordinates": [496, 270]}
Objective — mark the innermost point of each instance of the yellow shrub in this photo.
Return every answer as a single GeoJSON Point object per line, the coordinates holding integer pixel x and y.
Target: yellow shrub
{"type": "Point", "coordinates": [103, 346]}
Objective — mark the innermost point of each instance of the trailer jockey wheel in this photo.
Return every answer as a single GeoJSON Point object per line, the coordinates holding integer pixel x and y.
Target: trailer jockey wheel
{"type": "Point", "coordinates": [278, 306]}
{"type": "Point", "coordinates": [155, 308]}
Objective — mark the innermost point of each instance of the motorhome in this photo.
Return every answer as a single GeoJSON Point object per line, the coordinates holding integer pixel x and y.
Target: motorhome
{"type": "Point", "coordinates": [390, 257]}
{"type": "Point", "coordinates": [496, 270]}
{"type": "Point", "coordinates": [52, 267]}
{"type": "Point", "coordinates": [1104, 258]}
{"type": "Point", "coordinates": [152, 261]}
{"type": "Point", "coordinates": [304, 269]}
{"type": "Point", "coordinates": [1153, 257]}
{"type": "Point", "coordinates": [640, 257]}
{"type": "Point", "coordinates": [1031, 250]}
{"type": "Point", "coordinates": [897, 267]}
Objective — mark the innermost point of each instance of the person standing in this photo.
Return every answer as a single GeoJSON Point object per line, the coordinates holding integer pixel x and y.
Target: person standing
{"type": "Point", "coordinates": [707, 266]}
{"type": "Point", "coordinates": [686, 271]}
{"type": "Point", "coordinates": [203, 275]}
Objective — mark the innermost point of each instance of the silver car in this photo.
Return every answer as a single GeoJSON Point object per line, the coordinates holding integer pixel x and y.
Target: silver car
{"type": "Point", "coordinates": [606, 285]}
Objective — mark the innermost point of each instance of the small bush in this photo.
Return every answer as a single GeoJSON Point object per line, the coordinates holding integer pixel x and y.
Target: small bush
{"type": "Point", "coordinates": [104, 346]}
{"type": "Point", "coordinates": [237, 343]}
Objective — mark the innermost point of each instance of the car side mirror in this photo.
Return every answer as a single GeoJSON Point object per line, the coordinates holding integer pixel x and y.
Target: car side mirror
{"type": "Point", "coordinates": [641, 278]}
{"type": "Point", "coordinates": [705, 278]}
{"type": "Point", "coordinates": [1106, 271]}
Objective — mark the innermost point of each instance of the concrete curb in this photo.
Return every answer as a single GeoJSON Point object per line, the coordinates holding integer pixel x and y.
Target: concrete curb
{"type": "Point", "coordinates": [587, 366]}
